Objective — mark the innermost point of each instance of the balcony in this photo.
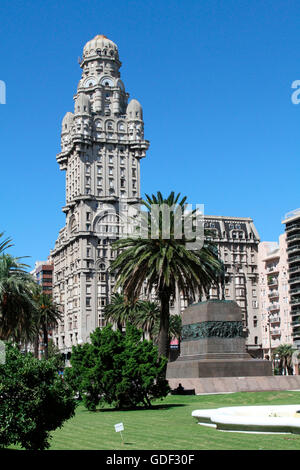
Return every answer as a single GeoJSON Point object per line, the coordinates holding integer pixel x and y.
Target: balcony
{"type": "Point", "coordinates": [294, 280]}
{"type": "Point", "coordinates": [295, 320]}
{"type": "Point", "coordinates": [292, 227]}
{"type": "Point", "coordinates": [275, 331]}
{"type": "Point", "coordinates": [274, 306]}
{"type": "Point", "coordinates": [274, 319]}
{"type": "Point", "coordinates": [294, 259]}
{"type": "Point", "coordinates": [272, 282]}
{"type": "Point", "coordinates": [295, 301]}
{"type": "Point", "coordinates": [294, 269]}
{"type": "Point", "coordinates": [296, 334]}
{"type": "Point", "coordinates": [295, 312]}
{"type": "Point", "coordinates": [294, 237]}
{"type": "Point", "coordinates": [273, 294]}
{"type": "Point", "coordinates": [295, 291]}
{"type": "Point", "coordinates": [273, 269]}
{"type": "Point", "coordinates": [293, 248]}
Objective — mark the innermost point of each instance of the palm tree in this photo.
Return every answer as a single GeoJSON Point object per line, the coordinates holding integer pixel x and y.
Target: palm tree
{"type": "Point", "coordinates": [175, 328]}
{"type": "Point", "coordinates": [17, 306]}
{"type": "Point", "coordinates": [163, 264]}
{"type": "Point", "coordinates": [5, 243]}
{"type": "Point", "coordinates": [48, 315]}
{"type": "Point", "coordinates": [147, 317]}
{"type": "Point", "coordinates": [285, 353]}
{"type": "Point", "coordinates": [120, 310]}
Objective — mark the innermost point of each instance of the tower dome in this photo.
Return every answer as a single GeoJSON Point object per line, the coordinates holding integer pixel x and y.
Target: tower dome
{"type": "Point", "coordinates": [134, 110]}
{"type": "Point", "coordinates": [67, 122]}
{"type": "Point", "coordinates": [101, 44]}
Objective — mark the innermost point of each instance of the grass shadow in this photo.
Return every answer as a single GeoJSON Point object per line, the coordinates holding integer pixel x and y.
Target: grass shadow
{"type": "Point", "coordinates": [139, 408]}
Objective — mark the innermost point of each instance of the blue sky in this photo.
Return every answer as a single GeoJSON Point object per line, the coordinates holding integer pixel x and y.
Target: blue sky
{"type": "Point", "coordinates": [214, 79]}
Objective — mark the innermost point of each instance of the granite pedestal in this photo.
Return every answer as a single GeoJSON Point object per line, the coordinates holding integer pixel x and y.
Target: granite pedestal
{"type": "Point", "coordinates": [213, 345]}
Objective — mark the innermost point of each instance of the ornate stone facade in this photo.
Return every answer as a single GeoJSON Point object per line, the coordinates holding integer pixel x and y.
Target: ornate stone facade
{"type": "Point", "coordinates": [102, 143]}
{"type": "Point", "coordinates": [237, 240]}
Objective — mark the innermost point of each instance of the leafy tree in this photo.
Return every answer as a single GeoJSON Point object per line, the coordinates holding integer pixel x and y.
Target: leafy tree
{"type": "Point", "coordinates": [34, 400]}
{"type": "Point", "coordinates": [163, 264]}
{"type": "Point", "coordinates": [117, 369]}
{"type": "Point", "coordinates": [17, 306]}
{"type": "Point", "coordinates": [81, 362]}
{"type": "Point", "coordinates": [55, 355]}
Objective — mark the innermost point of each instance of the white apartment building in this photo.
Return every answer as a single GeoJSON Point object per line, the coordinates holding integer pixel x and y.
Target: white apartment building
{"type": "Point", "coordinates": [274, 294]}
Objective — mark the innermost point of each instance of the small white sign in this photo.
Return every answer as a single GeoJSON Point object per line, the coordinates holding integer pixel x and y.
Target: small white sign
{"type": "Point", "coordinates": [119, 427]}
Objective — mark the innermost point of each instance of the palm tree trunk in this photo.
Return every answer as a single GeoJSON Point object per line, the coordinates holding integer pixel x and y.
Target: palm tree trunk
{"type": "Point", "coordinates": [36, 346]}
{"type": "Point", "coordinates": [163, 335]}
{"type": "Point", "coordinates": [45, 335]}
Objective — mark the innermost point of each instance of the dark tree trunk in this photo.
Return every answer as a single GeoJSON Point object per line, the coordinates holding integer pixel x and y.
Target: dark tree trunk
{"type": "Point", "coordinates": [36, 346]}
{"type": "Point", "coordinates": [163, 336]}
{"type": "Point", "coordinates": [45, 336]}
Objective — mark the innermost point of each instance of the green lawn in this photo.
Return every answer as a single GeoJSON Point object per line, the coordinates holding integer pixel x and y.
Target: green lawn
{"type": "Point", "coordinates": [170, 426]}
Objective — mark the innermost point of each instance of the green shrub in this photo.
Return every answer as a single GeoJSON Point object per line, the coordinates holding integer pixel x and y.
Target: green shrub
{"type": "Point", "coordinates": [120, 370]}
{"type": "Point", "coordinates": [34, 400]}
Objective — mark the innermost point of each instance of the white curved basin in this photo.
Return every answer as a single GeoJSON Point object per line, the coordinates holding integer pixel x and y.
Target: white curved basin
{"type": "Point", "coordinates": [276, 418]}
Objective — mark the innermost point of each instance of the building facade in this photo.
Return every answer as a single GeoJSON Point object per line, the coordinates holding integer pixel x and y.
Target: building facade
{"type": "Point", "coordinates": [43, 274]}
{"type": "Point", "coordinates": [102, 143]}
{"type": "Point", "coordinates": [292, 230]}
{"type": "Point", "coordinates": [237, 240]}
{"type": "Point", "coordinates": [274, 295]}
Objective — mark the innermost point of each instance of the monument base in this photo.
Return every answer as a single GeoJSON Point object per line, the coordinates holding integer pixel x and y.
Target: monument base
{"type": "Point", "coordinates": [213, 345]}
{"type": "Point", "coordinates": [223, 367]}
{"type": "Point", "coordinates": [208, 385]}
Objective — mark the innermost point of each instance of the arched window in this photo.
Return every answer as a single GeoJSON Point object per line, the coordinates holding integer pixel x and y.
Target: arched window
{"type": "Point", "coordinates": [107, 81]}
{"type": "Point", "coordinates": [73, 225]}
{"type": "Point", "coordinates": [122, 127]}
{"type": "Point", "coordinates": [110, 126]}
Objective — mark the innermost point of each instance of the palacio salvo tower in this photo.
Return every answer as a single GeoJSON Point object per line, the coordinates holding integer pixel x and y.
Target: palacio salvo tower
{"type": "Point", "coordinates": [102, 143]}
